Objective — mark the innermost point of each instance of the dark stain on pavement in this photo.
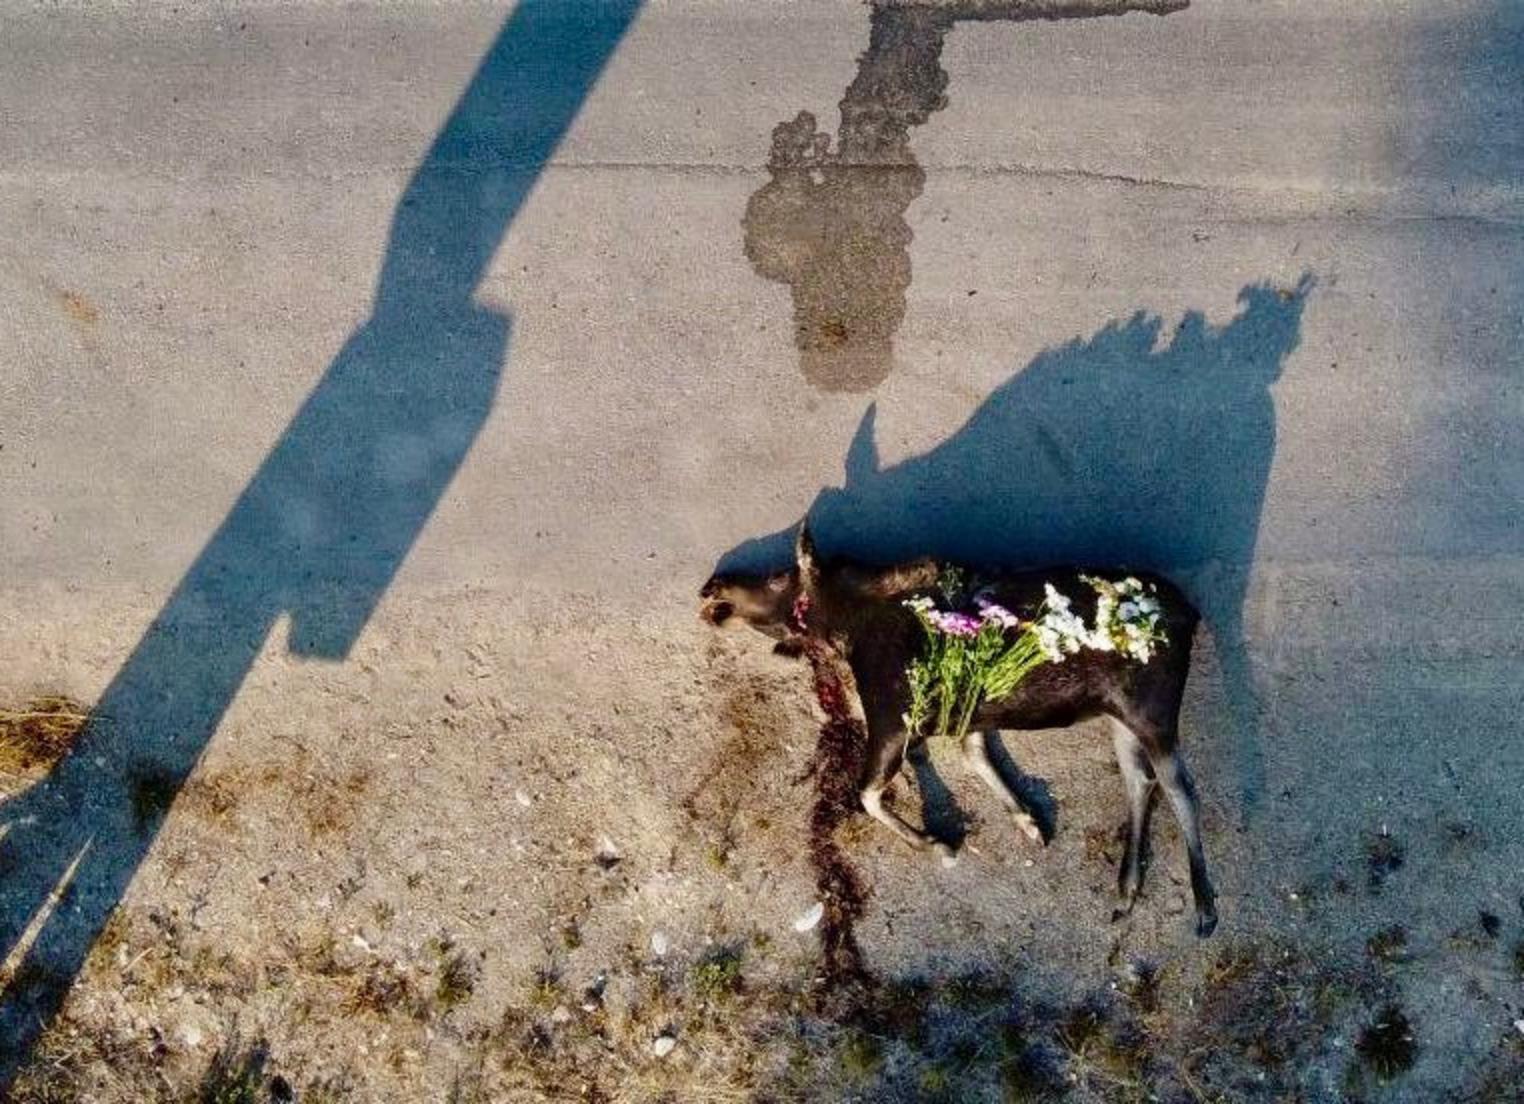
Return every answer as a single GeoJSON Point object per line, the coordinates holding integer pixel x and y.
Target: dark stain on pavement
{"type": "Point", "coordinates": [77, 307]}
{"type": "Point", "coordinates": [831, 223]}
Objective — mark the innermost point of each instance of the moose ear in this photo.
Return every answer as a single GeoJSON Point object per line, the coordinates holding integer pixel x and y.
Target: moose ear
{"type": "Point", "coordinates": [804, 558]}
{"type": "Point", "coordinates": [862, 453]}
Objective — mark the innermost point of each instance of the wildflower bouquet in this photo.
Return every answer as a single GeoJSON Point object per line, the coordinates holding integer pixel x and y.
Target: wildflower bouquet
{"type": "Point", "coordinates": [973, 658]}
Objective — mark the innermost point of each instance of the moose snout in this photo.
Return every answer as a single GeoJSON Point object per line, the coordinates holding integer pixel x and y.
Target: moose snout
{"type": "Point", "coordinates": [714, 609]}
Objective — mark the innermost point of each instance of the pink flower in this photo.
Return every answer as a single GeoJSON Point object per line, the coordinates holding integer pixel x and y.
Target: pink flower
{"type": "Point", "coordinates": [956, 624]}
{"type": "Point", "coordinates": [993, 611]}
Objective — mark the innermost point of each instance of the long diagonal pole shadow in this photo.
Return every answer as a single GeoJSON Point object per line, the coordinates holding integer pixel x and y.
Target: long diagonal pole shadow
{"type": "Point", "coordinates": [324, 524]}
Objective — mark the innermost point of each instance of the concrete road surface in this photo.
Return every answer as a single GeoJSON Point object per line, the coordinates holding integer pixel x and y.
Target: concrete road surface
{"type": "Point", "coordinates": [373, 380]}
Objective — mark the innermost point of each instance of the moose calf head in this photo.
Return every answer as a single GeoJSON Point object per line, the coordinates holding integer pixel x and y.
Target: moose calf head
{"type": "Point", "coordinates": [763, 602]}
{"type": "Point", "coordinates": [824, 601]}
{"type": "Point", "coordinates": [776, 605]}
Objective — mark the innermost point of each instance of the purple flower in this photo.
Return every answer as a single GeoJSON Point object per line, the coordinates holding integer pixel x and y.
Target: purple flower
{"type": "Point", "coordinates": [993, 611]}
{"type": "Point", "coordinates": [956, 624]}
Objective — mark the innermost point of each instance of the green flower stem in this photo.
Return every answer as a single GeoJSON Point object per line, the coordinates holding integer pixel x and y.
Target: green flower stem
{"type": "Point", "coordinates": [957, 672]}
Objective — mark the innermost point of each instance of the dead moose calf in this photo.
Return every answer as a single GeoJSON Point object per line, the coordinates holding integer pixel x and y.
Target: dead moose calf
{"type": "Point", "coordinates": [858, 613]}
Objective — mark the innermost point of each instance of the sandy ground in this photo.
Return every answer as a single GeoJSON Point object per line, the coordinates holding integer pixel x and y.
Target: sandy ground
{"type": "Point", "coordinates": [500, 836]}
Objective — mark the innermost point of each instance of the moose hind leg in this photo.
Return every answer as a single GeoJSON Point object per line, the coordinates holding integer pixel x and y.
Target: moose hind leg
{"type": "Point", "coordinates": [1181, 791]}
{"type": "Point", "coordinates": [1138, 780]}
{"type": "Point", "coordinates": [976, 754]}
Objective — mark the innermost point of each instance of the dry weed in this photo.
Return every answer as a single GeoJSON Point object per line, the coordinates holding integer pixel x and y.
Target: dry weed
{"type": "Point", "coordinates": [34, 738]}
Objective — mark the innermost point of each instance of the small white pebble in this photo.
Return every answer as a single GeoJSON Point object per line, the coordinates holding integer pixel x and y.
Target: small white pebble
{"type": "Point", "coordinates": [810, 918]}
{"type": "Point", "coordinates": [359, 941]}
{"type": "Point", "coordinates": [1519, 1025]}
{"type": "Point", "coordinates": [659, 943]}
{"type": "Point", "coordinates": [191, 1035]}
{"type": "Point", "coordinates": [663, 1045]}
{"type": "Point", "coordinates": [522, 798]}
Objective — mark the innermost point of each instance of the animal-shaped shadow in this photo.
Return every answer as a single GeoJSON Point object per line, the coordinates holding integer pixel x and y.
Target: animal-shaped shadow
{"type": "Point", "coordinates": [323, 525]}
{"type": "Point", "coordinates": [831, 225]}
{"type": "Point", "coordinates": [1118, 450]}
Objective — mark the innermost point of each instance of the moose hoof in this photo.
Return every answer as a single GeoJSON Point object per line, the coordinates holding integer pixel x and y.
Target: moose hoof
{"type": "Point", "coordinates": [945, 852]}
{"type": "Point", "coordinates": [1129, 883]}
{"type": "Point", "coordinates": [1206, 922]}
{"type": "Point", "coordinates": [1029, 828]}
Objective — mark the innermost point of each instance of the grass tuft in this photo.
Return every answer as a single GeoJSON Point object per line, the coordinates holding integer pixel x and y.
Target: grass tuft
{"type": "Point", "coordinates": [1389, 945]}
{"type": "Point", "coordinates": [1387, 1046]}
{"type": "Point", "coordinates": [718, 976]}
{"type": "Point", "coordinates": [236, 1074]}
{"type": "Point", "coordinates": [1384, 856]}
{"type": "Point", "coordinates": [34, 738]}
{"type": "Point", "coordinates": [153, 791]}
{"type": "Point", "coordinates": [457, 980]}
{"type": "Point", "coordinates": [861, 1056]}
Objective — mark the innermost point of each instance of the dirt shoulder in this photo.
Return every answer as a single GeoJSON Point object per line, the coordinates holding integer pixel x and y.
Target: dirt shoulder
{"type": "Point", "coordinates": [560, 854]}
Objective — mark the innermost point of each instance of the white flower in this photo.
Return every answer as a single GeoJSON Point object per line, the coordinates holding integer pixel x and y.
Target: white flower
{"type": "Point", "coordinates": [1047, 640]}
{"type": "Point", "coordinates": [992, 611]}
{"type": "Point", "coordinates": [1126, 618]}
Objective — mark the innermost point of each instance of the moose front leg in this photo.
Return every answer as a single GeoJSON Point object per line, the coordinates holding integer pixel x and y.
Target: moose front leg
{"type": "Point", "coordinates": [886, 755]}
{"type": "Point", "coordinates": [976, 754]}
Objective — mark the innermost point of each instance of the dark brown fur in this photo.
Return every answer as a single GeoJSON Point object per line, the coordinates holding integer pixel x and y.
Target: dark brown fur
{"type": "Point", "coordinates": [857, 612]}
